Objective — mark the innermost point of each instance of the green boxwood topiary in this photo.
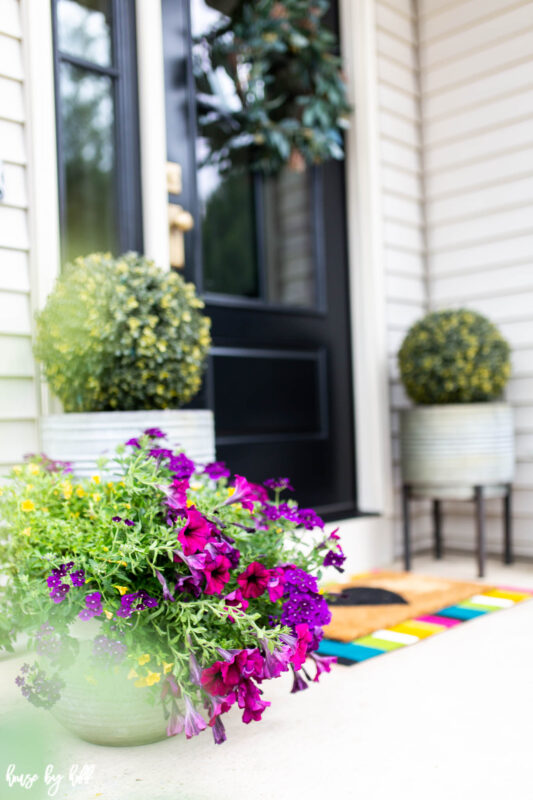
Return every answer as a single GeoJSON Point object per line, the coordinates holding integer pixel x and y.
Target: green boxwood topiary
{"type": "Point", "coordinates": [122, 334]}
{"type": "Point", "coordinates": [454, 356]}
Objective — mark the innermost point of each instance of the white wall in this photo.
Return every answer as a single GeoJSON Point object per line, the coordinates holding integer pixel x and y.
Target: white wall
{"type": "Point", "coordinates": [477, 104]}
{"type": "Point", "coordinates": [18, 390]}
{"type": "Point", "coordinates": [402, 204]}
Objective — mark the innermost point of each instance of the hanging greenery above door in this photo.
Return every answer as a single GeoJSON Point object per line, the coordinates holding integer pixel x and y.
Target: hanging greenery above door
{"type": "Point", "coordinates": [270, 90]}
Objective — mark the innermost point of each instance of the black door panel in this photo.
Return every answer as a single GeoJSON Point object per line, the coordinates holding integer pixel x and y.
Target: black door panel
{"type": "Point", "coordinates": [279, 378]}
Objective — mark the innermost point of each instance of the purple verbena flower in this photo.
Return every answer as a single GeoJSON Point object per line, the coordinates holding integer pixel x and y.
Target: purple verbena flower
{"type": "Point", "coordinates": [181, 466]}
{"type": "Point", "coordinates": [279, 484]}
{"type": "Point", "coordinates": [155, 433]}
{"type": "Point", "coordinates": [59, 593]}
{"type": "Point", "coordinates": [217, 470]}
{"type": "Point", "coordinates": [310, 519]}
{"type": "Point", "coordinates": [78, 577]}
{"type": "Point", "coordinates": [93, 606]}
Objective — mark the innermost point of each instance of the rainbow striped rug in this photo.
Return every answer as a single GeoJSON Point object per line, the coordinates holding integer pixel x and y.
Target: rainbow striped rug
{"type": "Point", "coordinates": [414, 630]}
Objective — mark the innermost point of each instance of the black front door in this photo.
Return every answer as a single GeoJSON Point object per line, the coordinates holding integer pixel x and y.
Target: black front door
{"type": "Point", "coordinates": [269, 257]}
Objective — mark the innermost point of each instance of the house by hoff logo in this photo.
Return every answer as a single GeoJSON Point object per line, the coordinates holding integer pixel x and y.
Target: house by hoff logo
{"type": "Point", "coordinates": [77, 775]}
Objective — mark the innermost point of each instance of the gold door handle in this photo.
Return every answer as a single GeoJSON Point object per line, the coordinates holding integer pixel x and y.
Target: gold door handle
{"type": "Point", "coordinates": [179, 222]}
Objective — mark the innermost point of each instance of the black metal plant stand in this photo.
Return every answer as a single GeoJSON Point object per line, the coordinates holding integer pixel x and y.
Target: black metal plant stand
{"type": "Point", "coordinates": [409, 493]}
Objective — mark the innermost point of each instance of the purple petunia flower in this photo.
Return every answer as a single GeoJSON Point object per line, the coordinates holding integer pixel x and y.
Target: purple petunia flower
{"type": "Point", "coordinates": [298, 684]}
{"type": "Point", "coordinates": [129, 523]}
{"type": "Point", "coordinates": [134, 442]}
{"type": "Point", "coordinates": [219, 732]}
{"type": "Point", "coordinates": [116, 519]}
{"type": "Point", "coordinates": [194, 722]}
{"type": "Point", "coordinates": [217, 470]}
{"type": "Point", "coordinates": [167, 594]}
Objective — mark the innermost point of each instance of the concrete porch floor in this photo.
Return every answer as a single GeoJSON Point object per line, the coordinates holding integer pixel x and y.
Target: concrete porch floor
{"type": "Point", "coordinates": [448, 717]}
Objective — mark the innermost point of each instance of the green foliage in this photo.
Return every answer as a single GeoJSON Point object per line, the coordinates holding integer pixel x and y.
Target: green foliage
{"type": "Point", "coordinates": [51, 518]}
{"type": "Point", "coordinates": [122, 334]}
{"type": "Point", "coordinates": [455, 356]}
{"type": "Point", "coordinates": [288, 103]}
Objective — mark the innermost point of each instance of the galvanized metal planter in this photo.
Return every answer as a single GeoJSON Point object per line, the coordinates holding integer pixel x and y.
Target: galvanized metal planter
{"type": "Point", "coordinates": [83, 438]}
{"type": "Point", "coordinates": [446, 450]}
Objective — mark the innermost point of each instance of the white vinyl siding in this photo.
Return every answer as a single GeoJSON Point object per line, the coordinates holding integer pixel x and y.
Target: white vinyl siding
{"type": "Point", "coordinates": [402, 194]}
{"type": "Point", "coordinates": [477, 107]}
{"type": "Point", "coordinates": [18, 392]}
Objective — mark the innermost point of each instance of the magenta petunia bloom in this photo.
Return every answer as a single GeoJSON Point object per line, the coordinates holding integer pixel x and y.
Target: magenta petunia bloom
{"type": "Point", "coordinates": [217, 470]}
{"type": "Point", "coordinates": [195, 533]}
{"type": "Point", "coordinates": [160, 452]}
{"type": "Point", "coordinates": [254, 580]}
{"type": "Point", "coordinates": [246, 493]}
{"type": "Point", "coordinates": [323, 664]}
{"type": "Point", "coordinates": [276, 584]}
{"type": "Point", "coordinates": [134, 442]}
{"type": "Point", "coordinates": [217, 574]}
{"type": "Point", "coordinates": [304, 639]}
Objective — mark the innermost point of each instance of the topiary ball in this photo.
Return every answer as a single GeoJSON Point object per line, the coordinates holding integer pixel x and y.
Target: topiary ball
{"type": "Point", "coordinates": [122, 334]}
{"type": "Point", "coordinates": [455, 356]}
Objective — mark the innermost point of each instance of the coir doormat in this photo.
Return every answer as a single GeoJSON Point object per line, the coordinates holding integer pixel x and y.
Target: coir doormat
{"type": "Point", "coordinates": [398, 609]}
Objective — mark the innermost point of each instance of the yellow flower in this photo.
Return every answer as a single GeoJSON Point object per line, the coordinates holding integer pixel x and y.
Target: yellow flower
{"type": "Point", "coordinates": [153, 677]}
{"type": "Point", "coordinates": [108, 614]}
{"type": "Point", "coordinates": [96, 496]}
{"type": "Point", "coordinates": [29, 487]}
{"type": "Point", "coordinates": [67, 489]}
{"type": "Point", "coordinates": [144, 659]}
{"type": "Point", "coordinates": [231, 491]}
{"type": "Point", "coordinates": [132, 674]}
{"type": "Point", "coordinates": [26, 531]}
{"type": "Point", "coordinates": [27, 505]}
{"type": "Point", "coordinates": [167, 667]}
{"type": "Point", "coordinates": [17, 470]}
{"type": "Point", "coordinates": [141, 683]}
{"type": "Point", "coordinates": [111, 486]}
{"type": "Point", "coordinates": [80, 491]}
{"type": "Point", "coordinates": [33, 468]}
{"type": "Point", "coordinates": [96, 479]}
{"type": "Point", "coordinates": [121, 589]}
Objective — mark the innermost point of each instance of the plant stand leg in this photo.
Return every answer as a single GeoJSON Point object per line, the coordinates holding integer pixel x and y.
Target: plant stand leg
{"type": "Point", "coordinates": [437, 527]}
{"type": "Point", "coordinates": [406, 492]}
{"type": "Point", "coordinates": [508, 526]}
{"type": "Point", "coordinates": [480, 529]}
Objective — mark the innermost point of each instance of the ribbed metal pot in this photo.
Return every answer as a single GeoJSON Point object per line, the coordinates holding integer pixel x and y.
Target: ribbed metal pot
{"type": "Point", "coordinates": [83, 438]}
{"type": "Point", "coordinates": [103, 707]}
{"type": "Point", "coordinates": [455, 447]}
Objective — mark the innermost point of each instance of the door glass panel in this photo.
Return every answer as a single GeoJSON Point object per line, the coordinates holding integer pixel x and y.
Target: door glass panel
{"type": "Point", "coordinates": [258, 239]}
{"type": "Point", "coordinates": [84, 29]}
{"type": "Point", "coordinates": [289, 239]}
{"type": "Point", "coordinates": [88, 156]}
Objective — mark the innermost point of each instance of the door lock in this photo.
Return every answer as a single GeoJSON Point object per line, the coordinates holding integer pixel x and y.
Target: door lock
{"type": "Point", "coordinates": [179, 222]}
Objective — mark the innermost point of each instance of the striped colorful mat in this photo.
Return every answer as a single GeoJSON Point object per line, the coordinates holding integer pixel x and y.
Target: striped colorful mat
{"type": "Point", "coordinates": [414, 630]}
